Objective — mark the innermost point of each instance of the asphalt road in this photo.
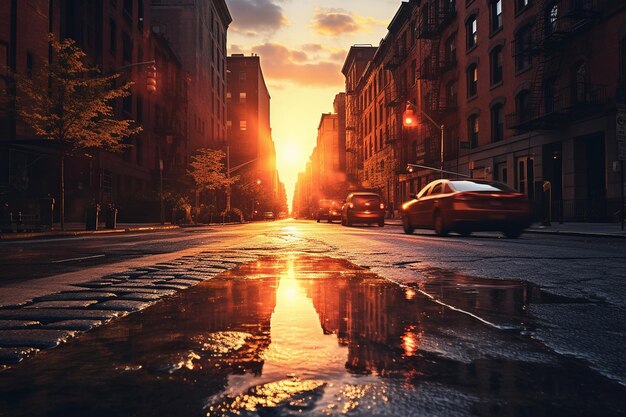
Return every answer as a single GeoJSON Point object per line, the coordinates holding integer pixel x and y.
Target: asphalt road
{"type": "Point", "coordinates": [580, 313]}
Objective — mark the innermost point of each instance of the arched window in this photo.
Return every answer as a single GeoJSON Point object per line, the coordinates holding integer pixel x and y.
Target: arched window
{"type": "Point", "coordinates": [472, 80]}
{"type": "Point", "coordinates": [495, 58]}
{"type": "Point", "coordinates": [552, 17]}
{"type": "Point", "coordinates": [579, 82]}
{"type": "Point", "coordinates": [497, 122]}
{"type": "Point", "coordinates": [451, 95]}
{"type": "Point", "coordinates": [473, 129]}
{"type": "Point", "coordinates": [450, 52]}
{"type": "Point", "coordinates": [471, 28]}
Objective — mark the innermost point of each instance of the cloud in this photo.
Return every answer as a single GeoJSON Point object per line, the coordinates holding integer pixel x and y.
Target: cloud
{"type": "Point", "coordinates": [334, 22]}
{"type": "Point", "coordinates": [284, 64]}
{"type": "Point", "coordinates": [252, 17]}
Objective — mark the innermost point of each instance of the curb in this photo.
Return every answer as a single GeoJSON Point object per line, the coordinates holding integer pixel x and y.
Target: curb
{"type": "Point", "coordinates": [32, 235]}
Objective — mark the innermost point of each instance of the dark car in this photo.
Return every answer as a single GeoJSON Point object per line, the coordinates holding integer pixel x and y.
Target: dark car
{"type": "Point", "coordinates": [268, 215]}
{"type": "Point", "coordinates": [328, 209]}
{"type": "Point", "coordinates": [363, 207]}
{"type": "Point", "coordinates": [465, 206]}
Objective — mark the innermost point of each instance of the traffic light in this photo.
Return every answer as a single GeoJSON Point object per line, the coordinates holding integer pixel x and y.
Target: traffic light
{"type": "Point", "coordinates": [151, 82]}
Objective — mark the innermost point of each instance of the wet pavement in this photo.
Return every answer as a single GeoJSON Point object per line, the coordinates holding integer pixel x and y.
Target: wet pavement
{"type": "Point", "coordinates": [317, 336]}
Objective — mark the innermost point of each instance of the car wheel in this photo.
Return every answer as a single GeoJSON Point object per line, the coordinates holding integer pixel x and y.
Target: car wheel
{"type": "Point", "coordinates": [440, 225]}
{"type": "Point", "coordinates": [512, 232]}
{"type": "Point", "coordinates": [348, 221]}
{"type": "Point", "coordinates": [329, 220]}
{"type": "Point", "coordinates": [407, 226]}
{"type": "Point", "coordinates": [381, 223]}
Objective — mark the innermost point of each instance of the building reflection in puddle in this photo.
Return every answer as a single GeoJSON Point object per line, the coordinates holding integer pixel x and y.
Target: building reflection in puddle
{"type": "Point", "coordinates": [314, 336]}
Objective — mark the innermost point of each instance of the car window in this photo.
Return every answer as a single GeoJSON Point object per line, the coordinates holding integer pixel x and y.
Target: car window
{"type": "Point", "coordinates": [478, 186]}
{"type": "Point", "coordinates": [362, 199]}
{"type": "Point", "coordinates": [424, 191]}
{"type": "Point", "coordinates": [437, 189]}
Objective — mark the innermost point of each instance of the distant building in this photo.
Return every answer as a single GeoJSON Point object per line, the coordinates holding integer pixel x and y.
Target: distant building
{"type": "Point", "coordinates": [248, 126]}
{"type": "Point", "coordinates": [197, 31]}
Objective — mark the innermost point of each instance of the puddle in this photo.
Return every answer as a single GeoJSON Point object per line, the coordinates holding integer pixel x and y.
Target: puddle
{"type": "Point", "coordinates": [313, 337]}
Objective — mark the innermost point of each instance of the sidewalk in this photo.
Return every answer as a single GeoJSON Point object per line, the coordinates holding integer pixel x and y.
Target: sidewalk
{"type": "Point", "coordinates": [78, 229]}
{"type": "Point", "coordinates": [565, 229]}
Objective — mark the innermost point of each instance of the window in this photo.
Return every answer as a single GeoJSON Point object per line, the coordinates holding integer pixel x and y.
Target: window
{"type": "Point", "coordinates": [243, 125]}
{"type": "Point", "coordinates": [471, 28]}
{"type": "Point", "coordinates": [451, 95]}
{"type": "Point", "coordinates": [450, 51]}
{"type": "Point", "coordinates": [552, 18]}
{"type": "Point", "coordinates": [127, 46]}
{"type": "Point", "coordinates": [30, 65]}
{"type": "Point", "coordinates": [472, 80]}
{"type": "Point", "coordinates": [229, 97]}
{"type": "Point", "coordinates": [127, 104]}
{"type": "Point", "coordinates": [472, 130]}
{"type": "Point", "coordinates": [242, 76]}
{"type": "Point", "coordinates": [523, 44]}
{"type": "Point", "coordinates": [437, 189]}
{"type": "Point", "coordinates": [522, 105]}
{"type": "Point", "coordinates": [495, 57]}
{"type": "Point", "coordinates": [242, 97]}
{"type": "Point", "coordinates": [495, 13]}
{"type": "Point", "coordinates": [622, 54]}
{"type": "Point", "coordinates": [497, 122]}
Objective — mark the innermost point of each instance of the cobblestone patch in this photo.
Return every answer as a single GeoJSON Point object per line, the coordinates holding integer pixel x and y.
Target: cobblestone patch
{"type": "Point", "coordinates": [34, 338]}
{"type": "Point", "coordinates": [47, 321]}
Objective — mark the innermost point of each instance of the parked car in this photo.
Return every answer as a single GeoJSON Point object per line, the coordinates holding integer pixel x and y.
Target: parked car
{"type": "Point", "coordinates": [328, 209]}
{"type": "Point", "coordinates": [363, 207]}
{"type": "Point", "coordinates": [465, 206]}
{"type": "Point", "coordinates": [268, 215]}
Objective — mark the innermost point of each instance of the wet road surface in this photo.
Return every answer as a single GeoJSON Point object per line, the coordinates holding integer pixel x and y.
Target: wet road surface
{"type": "Point", "coordinates": [317, 336]}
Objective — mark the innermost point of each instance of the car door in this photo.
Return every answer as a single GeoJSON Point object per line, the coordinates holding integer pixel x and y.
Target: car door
{"type": "Point", "coordinates": [419, 217]}
{"type": "Point", "coordinates": [429, 202]}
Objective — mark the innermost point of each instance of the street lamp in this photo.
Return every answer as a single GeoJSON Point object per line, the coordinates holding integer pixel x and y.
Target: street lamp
{"type": "Point", "coordinates": [409, 119]}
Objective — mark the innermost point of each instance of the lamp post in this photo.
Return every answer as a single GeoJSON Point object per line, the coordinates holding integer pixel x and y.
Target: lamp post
{"type": "Point", "coordinates": [409, 120]}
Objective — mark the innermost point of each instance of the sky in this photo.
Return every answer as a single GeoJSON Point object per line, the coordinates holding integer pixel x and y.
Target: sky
{"type": "Point", "coordinates": [302, 46]}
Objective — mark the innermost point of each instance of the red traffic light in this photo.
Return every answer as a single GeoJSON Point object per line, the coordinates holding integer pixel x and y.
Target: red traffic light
{"type": "Point", "coordinates": [151, 82]}
{"type": "Point", "coordinates": [408, 117]}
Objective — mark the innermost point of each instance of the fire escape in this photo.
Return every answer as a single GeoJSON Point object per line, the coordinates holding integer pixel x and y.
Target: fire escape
{"type": "Point", "coordinates": [354, 148]}
{"type": "Point", "coordinates": [545, 107]}
{"type": "Point", "coordinates": [431, 23]}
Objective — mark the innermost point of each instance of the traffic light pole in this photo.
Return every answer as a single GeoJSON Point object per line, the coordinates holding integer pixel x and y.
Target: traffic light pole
{"type": "Point", "coordinates": [441, 128]}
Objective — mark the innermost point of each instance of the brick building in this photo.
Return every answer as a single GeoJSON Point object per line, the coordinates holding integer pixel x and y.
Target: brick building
{"type": "Point", "coordinates": [527, 92]}
{"type": "Point", "coordinates": [116, 37]}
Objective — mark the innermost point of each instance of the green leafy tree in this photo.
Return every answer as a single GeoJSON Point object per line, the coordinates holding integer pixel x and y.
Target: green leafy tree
{"type": "Point", "coordinates": [207, 170]}
{"type": "Point", "coordinates": [75, 110]}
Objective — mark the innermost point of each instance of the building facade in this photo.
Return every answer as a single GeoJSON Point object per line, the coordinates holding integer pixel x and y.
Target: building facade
{"type": "Point", "coordinates": [117, 38]}
{"type": "Point", "coordinates": [248, 128]}
{"type": "Point", "coordinates": [525, 92]}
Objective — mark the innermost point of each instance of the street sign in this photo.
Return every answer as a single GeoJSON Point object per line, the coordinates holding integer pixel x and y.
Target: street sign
{"type": "Point", "coordinates": [620, 127]}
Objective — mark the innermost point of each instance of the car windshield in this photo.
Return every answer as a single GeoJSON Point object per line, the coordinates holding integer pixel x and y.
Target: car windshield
{"type": "Point", "coordinates": [480, 186]}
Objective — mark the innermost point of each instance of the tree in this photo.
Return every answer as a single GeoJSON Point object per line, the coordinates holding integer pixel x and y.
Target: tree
{"type": "Point", "coordinates": [207, 170]}
{"type": "Point", "coordinates": [75, 110]}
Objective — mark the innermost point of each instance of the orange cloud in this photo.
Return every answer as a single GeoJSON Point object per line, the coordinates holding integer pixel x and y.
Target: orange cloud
{"type": "Point", "coordinates": [282, 63]}
{"type": "Point", "coordinates": [334, 22]}
{"type": "Point", "coordinates": [252, 17]}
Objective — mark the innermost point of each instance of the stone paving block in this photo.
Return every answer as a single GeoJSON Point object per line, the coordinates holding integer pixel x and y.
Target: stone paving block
{"type": "Point", "coordinates": [196, 278]}
{"type": "Point", "coordinates": [141, 296]}
{"type": "Point", "coordinates": [124, 305]}
{"type": "Point", "coordinates": [17, 324]}
{"type": "Point", "coordinates": [14, 355]}
{"type": "Point", "coordinates": [77, 325]}
{"type": "Point", "coordinates": [63, 304]}
{"type": "Point", "coordinates": [78, 295]}
{"type": "Point", "coordinates": [161, 291]}
{"type": "Point", "coordinates": [166, 286]}
{"type": "Point", "coordinates": [36, 338]}
{"type": "Point", "coordinates": [48, 315]}
{"type": "Point", "coordinates": [181, 281]}
{"type": "Point", "coordinates": [93, 284]}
